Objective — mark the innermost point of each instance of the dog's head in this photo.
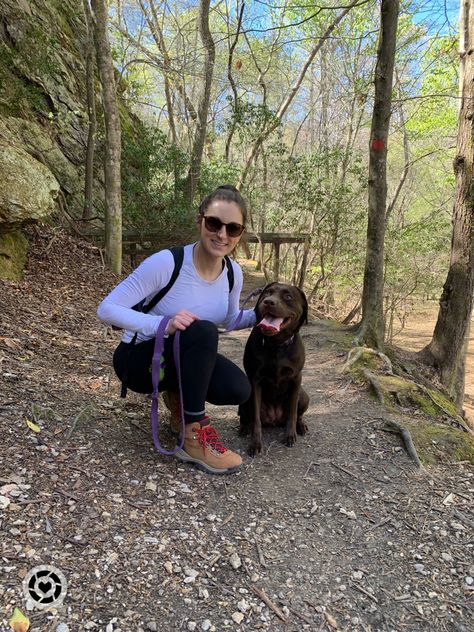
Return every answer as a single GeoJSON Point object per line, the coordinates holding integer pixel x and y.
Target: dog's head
{"type": "Point", "coordinates": [281, 308]}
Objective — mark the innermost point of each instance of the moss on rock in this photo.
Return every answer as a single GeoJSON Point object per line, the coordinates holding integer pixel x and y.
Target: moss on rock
{"type": "Point", "coordinates": [437, 443]}
{"type": "Point", "coordinates": [13, 252]}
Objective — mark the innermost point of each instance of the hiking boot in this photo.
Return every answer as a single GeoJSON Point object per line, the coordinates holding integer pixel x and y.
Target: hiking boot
{"type": "Point", "coordinates": [173, 404]}
{"type": "Point", "coordinates": [203, 449]}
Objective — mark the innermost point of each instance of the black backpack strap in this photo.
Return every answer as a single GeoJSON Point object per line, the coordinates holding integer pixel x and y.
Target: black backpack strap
{"type": "Point", "coordinates": [178, 256]}
{"type": "Point", "coordinates": [230, 272]}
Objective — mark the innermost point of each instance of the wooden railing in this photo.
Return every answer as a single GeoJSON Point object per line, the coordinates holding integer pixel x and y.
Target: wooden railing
{"type": "Point", "coordinates": [136, 243]}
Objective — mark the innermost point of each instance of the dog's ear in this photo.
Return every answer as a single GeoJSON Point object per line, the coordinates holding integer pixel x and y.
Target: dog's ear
{"type": "Point", "coordinates": [304, 316]}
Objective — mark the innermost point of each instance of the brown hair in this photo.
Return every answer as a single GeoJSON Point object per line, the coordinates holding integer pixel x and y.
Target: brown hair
{"type": "Point", "coordinates": [228, 193]}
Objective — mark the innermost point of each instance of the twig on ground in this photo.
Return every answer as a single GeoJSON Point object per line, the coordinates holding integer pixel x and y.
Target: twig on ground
{"type": "Point", "coordinates": [407, 440]}
{"type": "Point", "coordinates": [268, 602]}
{"type": "Point", "coordinates": [365, 592]}
{"type": "Point", "coordinates": [300, 615]}
{"type": "Point", "coordinates": [77, 418]}
{"type": "Point", "coordinates": [343, 469]}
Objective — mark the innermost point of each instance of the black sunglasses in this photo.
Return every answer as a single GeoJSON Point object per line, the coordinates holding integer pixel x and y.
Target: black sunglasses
{"type": "Point", "coordinates": [214, 224]}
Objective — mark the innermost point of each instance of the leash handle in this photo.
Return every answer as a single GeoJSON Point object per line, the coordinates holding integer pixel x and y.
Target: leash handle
{"type": "Point", "coordinates": [155, 378]}
{"type": "Point", "coordinates": [155, 374]}
{"type": "Point", "coordinates": [236, 322]}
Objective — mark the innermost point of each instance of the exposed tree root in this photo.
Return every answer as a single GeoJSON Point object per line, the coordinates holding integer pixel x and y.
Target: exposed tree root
{"type": "Point", "coordinates": [457, 420]}
{"type": "Point", "coordinates": [355, 353]}
{"type": "Point", "coordinates": [370, 377]}
{"type": "Point", "coordinates": [407, 440]}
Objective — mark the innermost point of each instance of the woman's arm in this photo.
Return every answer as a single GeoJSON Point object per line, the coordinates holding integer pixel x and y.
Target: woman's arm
{"type": "Point", "coordinates": [150, 276]}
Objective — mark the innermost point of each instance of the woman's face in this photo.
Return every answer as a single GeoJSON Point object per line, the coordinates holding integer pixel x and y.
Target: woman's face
{"type": "Point", "coordinates": [219, 243]}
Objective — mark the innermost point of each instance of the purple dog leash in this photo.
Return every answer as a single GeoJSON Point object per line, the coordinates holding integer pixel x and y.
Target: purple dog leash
{"type": "Point", "coordinates": [156, 369]}
{"type": "Point", "coordinates": [155, 378]}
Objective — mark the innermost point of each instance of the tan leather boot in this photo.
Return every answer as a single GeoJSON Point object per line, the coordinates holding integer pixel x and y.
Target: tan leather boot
{"type": "Point", "coordinates": [172, 403]}
{"type": "Point", "coordinates": [203, 449]}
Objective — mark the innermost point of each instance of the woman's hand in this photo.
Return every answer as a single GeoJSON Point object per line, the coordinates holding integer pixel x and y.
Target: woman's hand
{"type": "Point", "coordinates": [180, 321]}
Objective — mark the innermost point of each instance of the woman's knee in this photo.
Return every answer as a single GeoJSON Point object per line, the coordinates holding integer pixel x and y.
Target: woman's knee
{"type": "Point", "coordinates": [201, 332]}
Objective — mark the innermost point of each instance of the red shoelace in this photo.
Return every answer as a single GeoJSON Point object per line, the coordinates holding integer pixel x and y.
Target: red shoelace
{"type": "Point", "coordinates": [208, 437]}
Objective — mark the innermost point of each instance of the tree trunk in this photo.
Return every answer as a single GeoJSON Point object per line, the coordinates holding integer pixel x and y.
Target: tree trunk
{"type": "Point", "coordinates": [203, 107]}
{"type": "Point", "coordinates": [371, 331]}
{"type": "Point", "coordinates": [235, 95]}
{"type": "Point", "coordinates": [89, 165]}
{"type": "Point", "coordinates": [447, 349]}
{"type": "Point", "coordinates": [113, 199]}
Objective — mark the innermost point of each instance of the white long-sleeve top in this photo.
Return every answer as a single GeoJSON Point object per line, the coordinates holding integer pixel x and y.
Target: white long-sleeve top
{"type": "Point", "coordinates": [209, 300]}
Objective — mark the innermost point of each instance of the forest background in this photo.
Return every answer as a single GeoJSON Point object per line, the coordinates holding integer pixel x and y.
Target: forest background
{"type": "Point", "coordinates": [277, 98]}
{"type": "Point", "coordinates": [310, 174]}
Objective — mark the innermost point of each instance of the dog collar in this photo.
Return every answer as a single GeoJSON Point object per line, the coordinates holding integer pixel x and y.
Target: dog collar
{"type": "Point", "coordinates": [285, 343]}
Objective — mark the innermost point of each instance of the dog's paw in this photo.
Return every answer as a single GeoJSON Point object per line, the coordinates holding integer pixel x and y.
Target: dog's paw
{"type": "Point", "coordinates": [254, 448]}
{"type": "Point", "coordinates": [290, 440]}
{"type": "Point", "coordinates": [301, 428]}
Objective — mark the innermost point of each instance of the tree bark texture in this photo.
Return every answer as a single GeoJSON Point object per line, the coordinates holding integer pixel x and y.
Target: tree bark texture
{"type": "Point", "coordinates": [113, 198]}
{"type": "Point", "coordinates": [447, 349]}
{"type": "Point", "coordinates": [203, 107]}
{"type": "Point", "coordinates": [90, 149]}
{"type": "Point", "coordinates": [371, 331]}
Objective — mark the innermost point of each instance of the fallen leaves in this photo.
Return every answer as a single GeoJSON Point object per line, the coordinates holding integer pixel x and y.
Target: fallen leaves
{"type": "Point", "coordinates": [18, 622]}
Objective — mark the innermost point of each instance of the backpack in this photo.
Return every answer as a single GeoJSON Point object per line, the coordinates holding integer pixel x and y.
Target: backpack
{"type": "Point", "coordinates": [143, 306]}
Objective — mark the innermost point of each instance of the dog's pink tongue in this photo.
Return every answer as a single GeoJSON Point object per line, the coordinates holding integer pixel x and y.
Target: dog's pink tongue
{"type": "Point", "coordinates": [270, 323]}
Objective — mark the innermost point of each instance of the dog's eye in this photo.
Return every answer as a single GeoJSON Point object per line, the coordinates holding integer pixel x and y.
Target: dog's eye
{"type": "Point", "coordinates": [288, 297]}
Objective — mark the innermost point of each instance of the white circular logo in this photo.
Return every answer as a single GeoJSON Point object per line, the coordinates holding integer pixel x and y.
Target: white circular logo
{"type": "Point", "coordinates": [45, 586]}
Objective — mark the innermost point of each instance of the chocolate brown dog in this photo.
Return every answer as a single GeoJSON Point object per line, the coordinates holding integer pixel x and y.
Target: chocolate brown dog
{"type": "Point", "coordinates": [273, 360]}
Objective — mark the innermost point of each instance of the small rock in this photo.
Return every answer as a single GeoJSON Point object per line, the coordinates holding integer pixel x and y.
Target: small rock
{"type": "Point", "coordinates": [350, 514]}
{"type": "Point", "coordinates": [4, 502]}
{"type": "Point", "coordinates": [235, 561]}
{"type": "Point", "coordinates": [169, 567]}
{"type": "Point", "coordinates": [191, 626]}
{"type": "Point", "coordinates": [449, 500]}
{"type": "Point", "coordinates": [458, 526]}
{"type": "Point", "coordinates": [447, 557]}
{"type": "Point", "coordinates": [469, 580]}
{"type": "Point", "coordinates": [238, 617]}
{"type": "Point", "coordinates": [62, 627]}
{"type": "Point", "coordinates": [152, 626]}
{"type": "Point", "coordinates": [357, 575]}
{"type": "Point", "coordinates": [150, 486]}
{"type": "Point", "coordinates": [243, 605]}
{"type": "Point", "coordinates": [203, 593]}
{"type": "Point", "coordinates": [206, 625]}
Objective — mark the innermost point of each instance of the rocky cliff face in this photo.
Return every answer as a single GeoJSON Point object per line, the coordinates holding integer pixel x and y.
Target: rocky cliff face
{"type": "Point", "coordinates": [43, 117]}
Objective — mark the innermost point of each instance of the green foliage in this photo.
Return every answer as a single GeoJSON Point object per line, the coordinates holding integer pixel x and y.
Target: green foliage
{"type": "Point", "coordinates": [149, 166]}
{"type": "Point", "coordinates": [250, 119]}
{"type": "Point", "coordinates": [214, 173]}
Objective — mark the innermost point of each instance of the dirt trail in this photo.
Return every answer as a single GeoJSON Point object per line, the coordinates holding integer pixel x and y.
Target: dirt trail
{"type": "Point", "coordinates": [337, 533]}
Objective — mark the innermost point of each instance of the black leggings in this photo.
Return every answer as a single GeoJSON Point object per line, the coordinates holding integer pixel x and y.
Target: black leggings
{"type": "Point", "coordinates": [205, 374]}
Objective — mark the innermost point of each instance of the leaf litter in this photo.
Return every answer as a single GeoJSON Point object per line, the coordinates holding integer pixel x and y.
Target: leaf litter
{"type": "Point", "coordinates": [340, 532]}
